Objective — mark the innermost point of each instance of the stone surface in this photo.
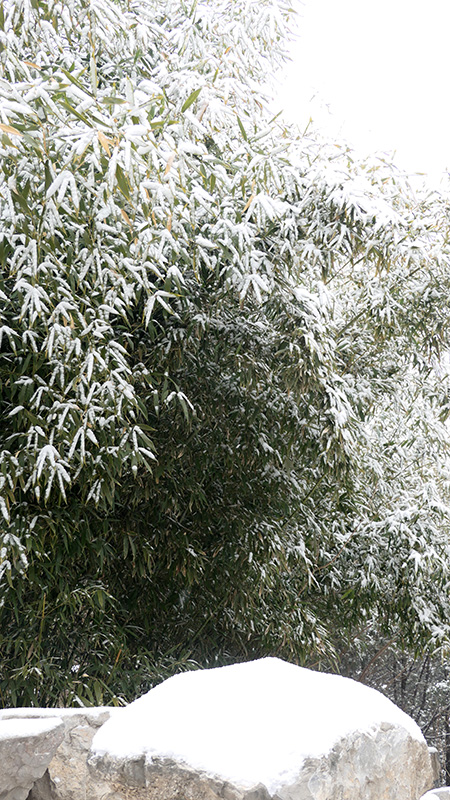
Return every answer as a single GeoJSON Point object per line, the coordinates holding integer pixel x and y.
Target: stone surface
{"type": "Point", "coordinates": [163, 778]}
{"type": "Point", "coordinates": [26, 749]}
{"type": "Point", "coordinates": [385, 763]}
{"type": "Point", "coordinates": [443, 793]}
{"type": "Point", "coordinates": [66, 775]}
{"type": "Point", "coordinates": [435, 765]}
{"type": "Point", "coordinates": [67, 772]}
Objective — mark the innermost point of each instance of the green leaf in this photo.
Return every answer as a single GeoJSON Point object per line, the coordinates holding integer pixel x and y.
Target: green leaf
{"type": "Point", "coordinates": [193, 8]}
{"type": "Point", "coordinates": [91, 120]}
{"type": "Point", "coordinates": [242, 129]}
{"type": "Point", "coordinates": [111, 100]}
{"type": "Point", "coordinates": [191, 99]}
{"type": "Point", "coordinates": [20, 199]}
{"type": "Point", "coordinates": [69, 107]}
{"type": "Point", "coordinates": [123, 183]}
{"type": "Point", "coordinates": [75, 81]}
{"type": "Point", "coordinates": [48, 175]}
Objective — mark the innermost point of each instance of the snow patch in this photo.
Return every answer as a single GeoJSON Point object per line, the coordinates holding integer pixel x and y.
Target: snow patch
{"type": "Point", "coordinates": [21, 728]}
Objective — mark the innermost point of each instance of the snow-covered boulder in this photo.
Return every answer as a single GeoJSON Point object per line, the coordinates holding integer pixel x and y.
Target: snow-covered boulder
{"type": "Point", "coordinates": [26, 748]}
{"type": "Point", "coordinates": [258, 730]}
{"type": "Point", "coordinates": [437, 794]}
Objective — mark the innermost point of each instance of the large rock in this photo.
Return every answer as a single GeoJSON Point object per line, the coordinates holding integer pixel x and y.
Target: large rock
{"type": "Point", "coordinates": [381, 764]}
{"type": "Point", "coordinates": [26, 749]}
{"type": "Point", "coordinates": [66, 775]}
{"type": "Point", "coordinates": [260, 730]}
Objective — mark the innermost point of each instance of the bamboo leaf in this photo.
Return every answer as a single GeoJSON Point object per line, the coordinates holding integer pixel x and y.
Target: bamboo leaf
{"type": "Point", "coordinates": [105, 142]}
{"type": "Point", "coordinates": [126, 217]}
{"type": "Point", "coordinates": [75, 81]}
{"type": "Point", "coordinates": [122, 182]}
{"type": "Point", "coordinates": [191, 99]}
{"type": "Point", "coordinates": [242, 129]}
{"type": "Point", "coordinates": [111, 100]}
{"type": "Point", "coordinates": [248, 203]}
{"type": "Point", "coordinates": [10, 129]}
{"type": "Point", "coordinates": [170, 161]}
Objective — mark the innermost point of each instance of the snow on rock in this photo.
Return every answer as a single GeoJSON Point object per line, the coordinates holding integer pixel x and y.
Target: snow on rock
{"type": "Point", "coordinates": [437, 794]}
{"type": "Point", "coordinates": [26, 749]}
{"type": "Point", "coordinates": [260, 729]}
{"type": "Point", "coordinates": [218, 720]}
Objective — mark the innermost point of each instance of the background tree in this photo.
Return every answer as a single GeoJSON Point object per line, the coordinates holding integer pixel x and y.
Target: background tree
{"type": "Point", "coordinates": [219, 374]}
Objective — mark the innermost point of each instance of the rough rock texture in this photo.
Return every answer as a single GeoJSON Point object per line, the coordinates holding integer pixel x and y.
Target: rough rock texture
{"type": "Point", "coordinates": [67, 772]}
{"type": "Point", "coordinates": [66, 776]}
{"type": "Point", "coordinates": [385, 763]}
{"type": "Point", "coordinates": [163, 778]}
{"type": "Point", "coordinates": [435, 765]}
{"type": "Point", "coordinates": [26, 749]}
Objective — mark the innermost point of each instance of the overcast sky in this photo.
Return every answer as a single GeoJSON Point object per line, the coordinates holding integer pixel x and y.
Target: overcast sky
{"type": "Point", "coordinates": [377, 73]}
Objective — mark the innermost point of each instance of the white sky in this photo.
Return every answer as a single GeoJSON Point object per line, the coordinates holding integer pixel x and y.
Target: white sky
{"type": "Point", "coordinates": [377, 74]}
